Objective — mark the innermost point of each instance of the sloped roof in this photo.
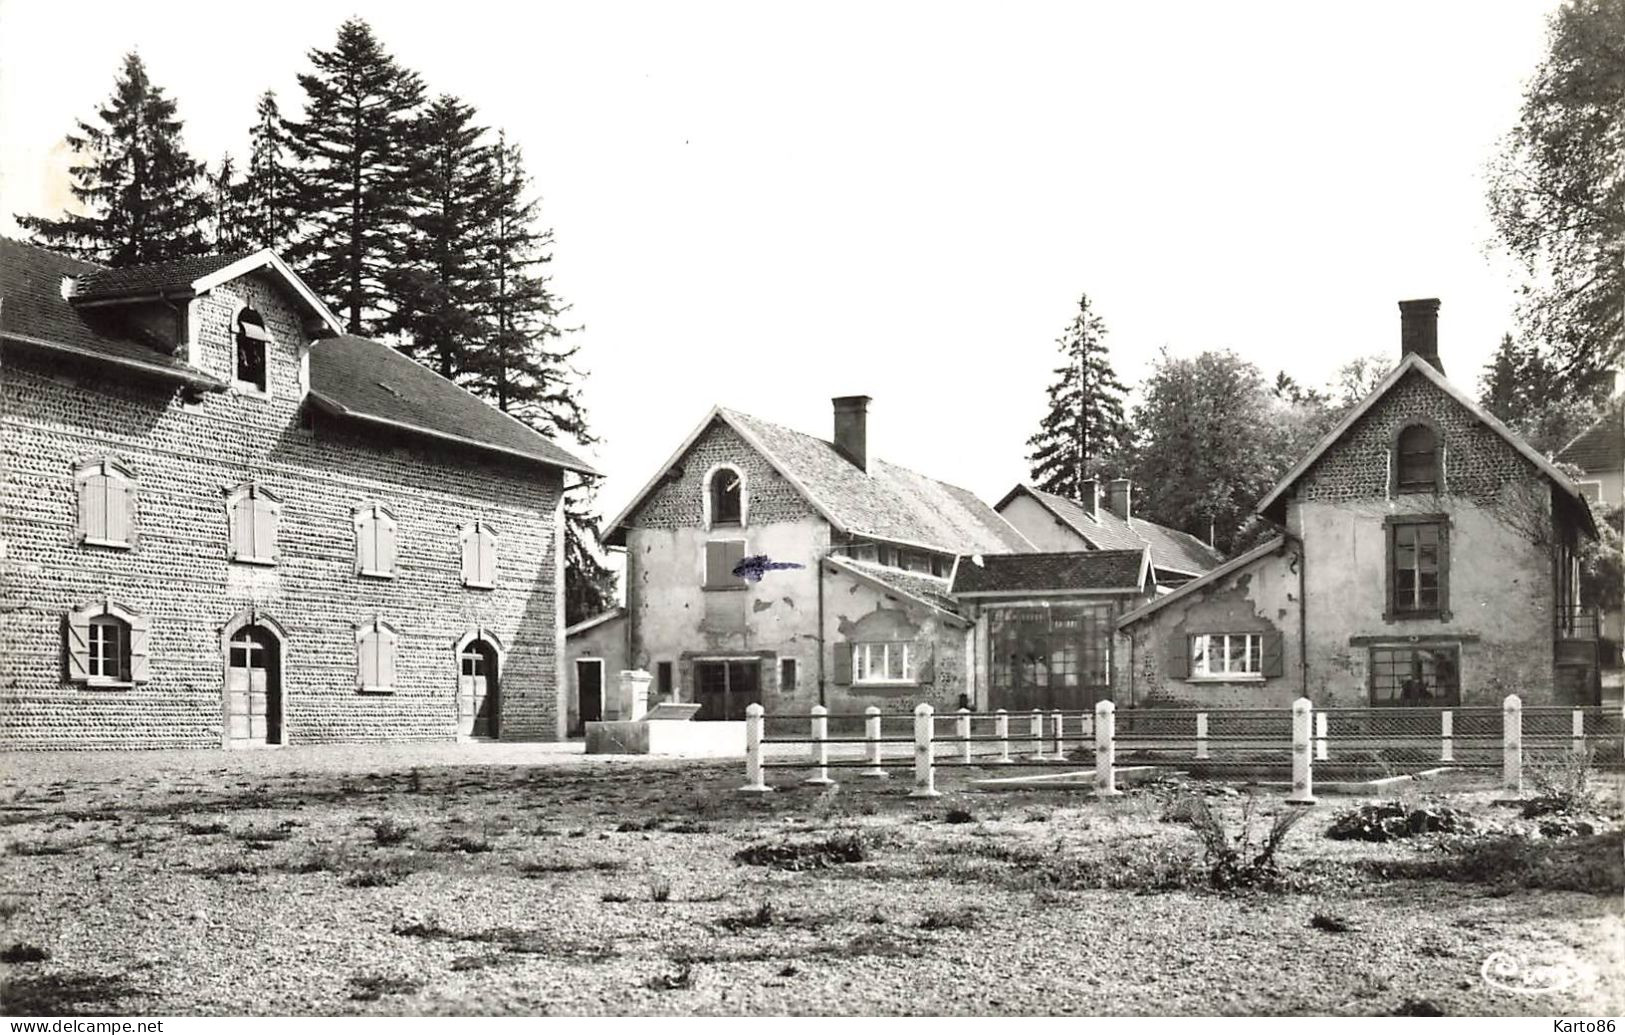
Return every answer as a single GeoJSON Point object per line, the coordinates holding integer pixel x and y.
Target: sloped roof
{"type": "Point", "coordinates": [175, 275]}
{"type": "Point", "coordinates": [595, 621]}
{"type": "Point", "coordinates": [34, 313]}
{"type": "Point", "coordinates": [360, 378]}
{"type": "Point", "coordinates": [1122, 571]}
{"type": "Point", "coordinates": [1171, 549]}
{"type": "Point", "coordinates": [1223, 571]}
{"type": "Point", "coordinates": [928, 589]}
{"type": "Point", "coordinates": [888, 502]}
{"type": "Point", "coordinates": [1600, 447]}
{"type": "Point", "coordinates": [1413, 362]}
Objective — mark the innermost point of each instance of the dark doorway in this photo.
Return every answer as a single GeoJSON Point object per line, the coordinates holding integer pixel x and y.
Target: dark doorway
{"type": "Point", "coordinates": [723, 689]}
{"type": "Point", "coordinates": [479, 697]}
{"type": "Point", "coordinates": [590, 690]}
{"type": "Point", "coordinates": [253, 688]}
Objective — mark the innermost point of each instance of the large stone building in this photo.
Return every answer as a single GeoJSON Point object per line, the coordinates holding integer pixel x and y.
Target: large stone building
{"type": "Point", "coordinates": [1429, 558]}
{"type": "Point", "coordinates": [226, 523]}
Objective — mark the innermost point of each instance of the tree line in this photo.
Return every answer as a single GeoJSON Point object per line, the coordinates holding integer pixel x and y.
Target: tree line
{"type": "Point", "coordinates": [418, 224]}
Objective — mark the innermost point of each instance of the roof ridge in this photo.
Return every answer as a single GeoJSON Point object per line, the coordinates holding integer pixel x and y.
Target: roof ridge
{"type": "Point", "coordinates": [35, 246]}
{"type": "Point", "coordinates": [227, 258]}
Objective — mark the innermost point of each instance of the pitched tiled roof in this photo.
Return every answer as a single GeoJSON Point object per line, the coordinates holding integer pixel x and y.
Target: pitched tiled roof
{"type": "Point", "coordinates": [916, 584]}
{"type": "Point", "coordinates": [1170, 548]}
{"type": "Point", "coordinates": [158, 276]}
{"type": "Point", "coordinates": [1224, 570]}
{"type": "Point", "coordinates": [360, 378]}
{"type": "Point", "coordinates": [1051, 572]}
{"type": "Point", "coordinates": [889, 502]}
{"type": "Point", "coordinates": [1600, 447]}
{"type": "Point", "coordinates": [34, 313]}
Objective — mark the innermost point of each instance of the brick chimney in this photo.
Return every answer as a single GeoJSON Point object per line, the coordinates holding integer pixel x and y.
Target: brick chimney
{"type": "Point", "coordinates": [852, 429]}
{"type": "Point", "coordinates": [1089, 493]}
{"type": "Point", "coordinates": [1419, 330]}
{"type": "Point", "coordinates": [1120, 497]}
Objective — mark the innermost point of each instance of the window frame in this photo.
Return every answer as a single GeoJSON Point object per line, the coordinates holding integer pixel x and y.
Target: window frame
{"type": "Point", "coordinates": [1397, 486]}
{"type": "Point", "coordinates": [1252, 650]}
{"type": "Point", "coordinates": [792, 668]}
{"type": "Point", "coordinates": [1440, 611]}
{"type": "Point", "coordinates": [709, 493]}
{"type": "Point", "coordinates": [863, 662]}
{"type": "Point", "coordinates": [83, 659]}
{"type": "Point", "coordinates": [252, 492]}
{"type": "Point", "coordinates": [244, 386]}
{"type": "Point", "coordinates": [1451, 701]}
{"type": "Point", "coordinates": [471, 534]}
{"type": "Point", "coordinates": [368, 518]}
{"type": "Point", "coordinates": [113, 471]}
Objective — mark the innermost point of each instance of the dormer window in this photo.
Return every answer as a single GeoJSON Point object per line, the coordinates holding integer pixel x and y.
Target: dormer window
{"type": "Point", "coordinates": [1416, 460]}
{"type": "Point", "coordinates": [253, 351]}
{"type": "Point", "coordinates": [726, 495]}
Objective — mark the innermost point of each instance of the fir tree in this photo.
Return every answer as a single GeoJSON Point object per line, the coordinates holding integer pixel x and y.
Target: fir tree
{"type": "Point", "coordinates": [443, 284]}
{"type": "Point", "coordinates": [1529, 389]}
{"type": "Point", "coordinates": [266, 195]}
{"type": "Point", "coordinates": [139, 187]}
{"type": "Point", "coordinates": [224, 198]}
{"type": "Point", "coordinates": [1084, 428]}
{"type": "Point", "coordinates": [354, 149]}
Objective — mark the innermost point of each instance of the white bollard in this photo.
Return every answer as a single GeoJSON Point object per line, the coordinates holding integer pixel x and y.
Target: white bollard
{"type": "Point", "coordinates": [1320, 736]}
{"type": "Point", "coordinates": [871, 724]}
{"type": "Point", "coordinates": [1303, 779]}
{"type": "Point", "coordinates": [1512, 744]}
{"type": "Point", "coordinates": [1579, 732]}
{"type": "Point", "coordinates": [925, 785]}
{"type": "Point", "coordinates": [1001, 728]}
{"type": "Point", "coordinates": [1105, 729]}
{"type": "Point", "coordinates": [1447, 736]}
{"type": "Point", "coordinates": [1201, 734]}
{"type": "Point", "coordinates": [753, 752]}
{"type": "Point", "coordinates": [820, 746]}
{"type": "Point", "coordinates": [962, 731]}
{"type": "Point", "coordinates": [1057, 719]}
{"type": "Point", "coordinates": [1038, 735]}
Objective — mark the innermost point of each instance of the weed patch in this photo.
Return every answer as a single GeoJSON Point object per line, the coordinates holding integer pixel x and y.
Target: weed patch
{"type": "Point", "coordinates": [1592, 864]}
{"type": "Point", "coordinates": [389, 832]}
{"type": "Point", "coordinates": [1387, 820]}
{"type": "Point", "coordinates": [369, 988]}
{"type": "Point", "coordinates": [965, 918]}
{"type": "Point", "coordinates": [805, 855]}
{"type": "Point", "coordinates": [23, 952]}
{"type": "Point", "coordinates": [83, 994]}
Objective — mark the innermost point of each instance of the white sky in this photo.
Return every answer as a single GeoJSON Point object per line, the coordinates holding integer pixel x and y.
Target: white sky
{"type": "Point", "coordinates": [769, 205]}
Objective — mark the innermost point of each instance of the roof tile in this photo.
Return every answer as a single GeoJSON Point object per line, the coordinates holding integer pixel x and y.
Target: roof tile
{"type": "Point", "coordinates": [1170, 548]}
{"type": "Point", "coordinates": [1049, 572]}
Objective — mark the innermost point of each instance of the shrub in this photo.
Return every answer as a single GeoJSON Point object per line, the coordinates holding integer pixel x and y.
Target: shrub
{"type": "Point", "coordinates": [23, 952]}
{"type": "Point", "coordinates": [1562, 787]}
{"type": "Point", "coordinates": [1386, 820]}
{"type": "Point", "coordinates": [1236, 862]}
{"type": "Point", "coordinates": [388, 831]}
{"type": "Point", "coordinates": [806, 855]}
{"type": "Point", "coordinates": [615, 896]}
{"type": "Point", "coordinates": [664, 982]}
{"type": "Point", "coordinates": [659, 887]}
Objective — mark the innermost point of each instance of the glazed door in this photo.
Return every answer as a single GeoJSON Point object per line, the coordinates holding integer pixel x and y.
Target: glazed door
{"type": "Point", "coordinates": [477, 698]}
{"type": "Point", "coordinates": [253, 685]}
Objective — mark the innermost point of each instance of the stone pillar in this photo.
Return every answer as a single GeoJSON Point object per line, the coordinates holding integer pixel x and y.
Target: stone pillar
{"type": "Point", "coordinates": [631, 699]}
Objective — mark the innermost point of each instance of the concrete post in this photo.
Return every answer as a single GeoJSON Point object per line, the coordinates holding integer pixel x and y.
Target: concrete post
{"type": "Point", "coordinates": [1320, 736]}
{"type": "Point", "coordinates": [630, 701]}
{"type": "Point", "coordinates": [1303, 780]}
{"type": "Point", "coordinates": [1447, 736]}
{"type": "Point", "coordinates": [871, 724]}
{"type": "Point", "coordinates": [820, 746]}
{"type": "Point", "coordinates": [1579, 732]}
{"type": "Point", "coordinates": [753, 752]}
{"type": "Point", "coordinates": [1037, 735]}
{"type": "Point", "coordinates": [1001, 727]}
{"type": "Point", "coordinates": [1201, 734]}
{"type": "Point", "coordinates": [962, 731]}
{"type": "Point", "coordinates": [1105, 729]}
{"type": "Point", "coordinates": [925, 784]}
{"type": "Point", "coordinates": [1056, 721]}
{"type": "Point", "coordinates": [1512, 744]}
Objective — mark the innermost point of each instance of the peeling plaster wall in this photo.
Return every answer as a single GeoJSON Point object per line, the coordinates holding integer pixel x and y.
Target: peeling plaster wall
{"type": "Point", "coordinates": [855, 610]}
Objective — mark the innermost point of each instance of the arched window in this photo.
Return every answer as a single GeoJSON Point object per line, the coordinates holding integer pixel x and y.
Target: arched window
{"type": "Point", "coordinates": [1416, 460]}
{"type": "Point", "coordinates": [106, 491]}
{"type": "Point", "coordinates": [375, 656]}
{"type": "Point", "coordinates": [253, 351]}
{"type": "Point", "coordinates": [479, 556]}
{"type": "Point", "coordinates": [107, 645]}
{"type": "Point", "coordinates": [375, 542]}
{"type": "Point", "coordinates": [252, 515]}
{"type": "Point", "coordinates": [725, 496]}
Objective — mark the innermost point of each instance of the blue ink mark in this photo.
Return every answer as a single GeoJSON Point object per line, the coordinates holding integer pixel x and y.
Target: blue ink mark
{"type": "Point", "coordinates": [751, 569]}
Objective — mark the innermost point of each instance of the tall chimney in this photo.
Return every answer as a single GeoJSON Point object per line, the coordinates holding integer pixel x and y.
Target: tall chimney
{"type": "Point", "coordinates": [1089, 492]}
{"type": "Point", "coordinates": [1419, 330]}
{"type": "Point", "coordinates": [1120, 497]}
{"type": "Point", "coordinates": [852, 429]}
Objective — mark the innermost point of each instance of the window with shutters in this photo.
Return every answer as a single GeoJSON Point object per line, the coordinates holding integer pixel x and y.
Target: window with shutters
{"type": "Point", "coordinates": [375, 657]}
{"type": "Point", "coordinates": [106, 491]}
{"type": "Point", "coordinates": [107, 646]}
{"type": "Point", "coordinates": [375, 552]}
{"type": "Point", "coordinates": [252, 515]}
{"type": "Point", "coordinates": [1418, 582]}
{"type": "Point", "coordinates": [1418, 460]}
{"type": "Point", "coordinates": [721, 557]}
{"type": "Point", "coordinates": [479, 556]}
{"type": "Point", "coordinates": [253, 352]}
{"type": "Point", "coordinates": [1227, 655]}
{"type": "Point", "coordinates": [881, 663]}
{"type": "Point", "coordinates": [725, 497]}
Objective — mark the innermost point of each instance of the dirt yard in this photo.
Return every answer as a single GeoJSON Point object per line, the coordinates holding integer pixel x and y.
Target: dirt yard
{"type": "Point", "coordinates": [524, 880]}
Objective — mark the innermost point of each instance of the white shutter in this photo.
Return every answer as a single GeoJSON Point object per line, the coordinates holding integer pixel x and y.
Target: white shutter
{"type": "Point", "coordinates": [242, 527]}
{"type": "Point", "coordinates": [488, 557]}
{"type": "Point", "coordinates": [386, 658]}
{"type": "Point", "coordinates": [471, 549]}
{"type": "Point", "coordinates": [265, 521]}
{"type": "Point", "coordinates": [87, 507]}
{"type": "Point", "coordinates": [384, 542]}
{"type": "Point", "coordinates": [367, 658]}
{"type": "Point", "coordinates": [140, 671]}
{"type": "Point", "coordinates": [116, 508]}
{"type": "Point", "coordinates": [366, 544]}
{"type": "Point", "coordinates": [78, 646]}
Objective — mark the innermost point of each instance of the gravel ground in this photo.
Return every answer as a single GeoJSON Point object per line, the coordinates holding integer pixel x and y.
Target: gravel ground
{"type": "Point", "coordinates": [529, 879]}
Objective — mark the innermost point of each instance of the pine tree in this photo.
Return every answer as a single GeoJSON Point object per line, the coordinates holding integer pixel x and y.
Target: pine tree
{"type": "Point", "coordinates": [354, 149]}
{"type": "Point", "coordinates": [224, 198]}
{"type": "Point", "coordinates": [1084, 428]}
{"type": "Point", "coordinates": [140, 188]}
{"type": "Point", "coordinates": [523, 367]}
{"type": "Point", "coordinates": [266, 196]}
{"type": "Point", "coordinates": [1529, 389]}
{"type": "Point", "coordinates": [441, 288]}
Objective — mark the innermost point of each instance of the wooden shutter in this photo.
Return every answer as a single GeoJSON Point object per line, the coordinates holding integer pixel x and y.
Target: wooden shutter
{"type": "Point", "coordinates": [1444, 570]}
{"type": "Point", "coordinates": [366, 541]}
{"type": "Point", "coordinates": [265, 522]}
{"type": "Point", "coordinates": [117, 508]}
{"type": "Point", "coordinates": [384, 542]}
{"type": "Point", "coordinates": [78, 646]}
{"type": "Point", "coordinates": [717, 569]}
{"type": "Point", "coordinates": [734, 552]}
{"type": "Point", "coordinates": [488, 556]}
{"type": "Point", "coordinates": [88, 493]}
{"type": "Point", "coordinates": [922, 655]}
{"type": "Point", "coordinates": [843, 665]}
{"type": "Point", "coordinates": [367, 658]}
{"type": "Point", "coordinates": [1274, 660]}
{"type": "Point", "coordinates": [140, 670]}
{"type": "Point", "coordinates": [386, 658]}
{"type": "Point", "coordinates": [1179, 657]}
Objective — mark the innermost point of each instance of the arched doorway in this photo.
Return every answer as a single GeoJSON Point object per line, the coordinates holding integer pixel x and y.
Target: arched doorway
{"type": "Point", "coordinates": [479, 693]}
{"type": "Point", "coordinates": [253, 687]}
